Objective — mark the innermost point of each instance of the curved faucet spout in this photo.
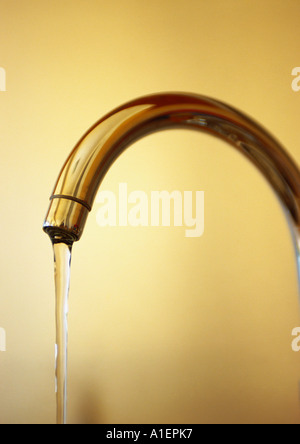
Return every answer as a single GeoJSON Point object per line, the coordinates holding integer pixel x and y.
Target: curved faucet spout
{"type": "Point", "coordinates": [85, 168]}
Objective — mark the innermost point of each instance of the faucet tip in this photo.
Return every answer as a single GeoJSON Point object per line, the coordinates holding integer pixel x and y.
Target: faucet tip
{"type": "Point", "coordinates": [59, 236]}
{"type": "Point", "coordinates": [65, 220]}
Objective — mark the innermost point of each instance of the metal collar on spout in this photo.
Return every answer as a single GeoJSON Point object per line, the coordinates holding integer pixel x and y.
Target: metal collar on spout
{"type": "Point", "coordinates": [85, 168]}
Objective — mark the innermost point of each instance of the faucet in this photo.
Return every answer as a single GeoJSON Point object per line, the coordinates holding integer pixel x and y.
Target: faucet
{"type": "Point", "coordinates": [86, 166]}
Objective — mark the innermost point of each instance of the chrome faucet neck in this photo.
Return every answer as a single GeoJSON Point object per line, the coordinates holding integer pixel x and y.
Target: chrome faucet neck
{"type": "Point", "coordinates": [85, 168]}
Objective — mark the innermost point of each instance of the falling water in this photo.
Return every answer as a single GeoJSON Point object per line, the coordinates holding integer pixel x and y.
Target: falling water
{"type": "Point", "coordinates": [62, 263]}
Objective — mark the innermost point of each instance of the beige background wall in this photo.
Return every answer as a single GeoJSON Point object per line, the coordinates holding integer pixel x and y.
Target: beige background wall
{"type": "Point", "coordinates": [162, 328]}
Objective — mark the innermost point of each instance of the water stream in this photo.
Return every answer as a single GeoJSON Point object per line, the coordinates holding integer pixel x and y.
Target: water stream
{"type": "Point", "coordinates": [62, 264]}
